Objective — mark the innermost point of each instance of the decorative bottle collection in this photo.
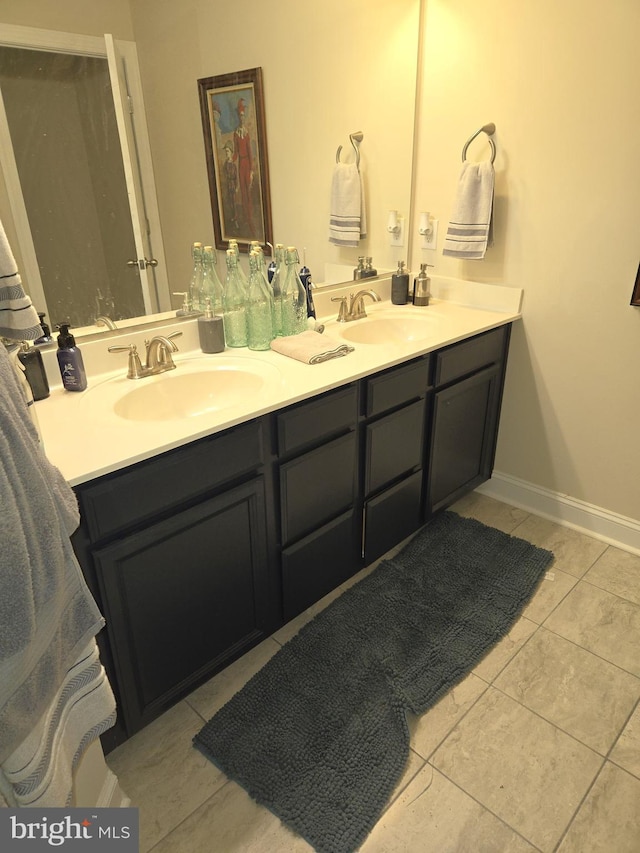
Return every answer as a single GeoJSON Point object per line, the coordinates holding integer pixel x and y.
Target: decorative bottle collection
{"type": "Point", "coordinates": [254, 310]}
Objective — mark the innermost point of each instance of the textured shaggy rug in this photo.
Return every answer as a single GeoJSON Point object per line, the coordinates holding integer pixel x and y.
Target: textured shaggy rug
{"type": "Point", "coordinates": [319, 735]}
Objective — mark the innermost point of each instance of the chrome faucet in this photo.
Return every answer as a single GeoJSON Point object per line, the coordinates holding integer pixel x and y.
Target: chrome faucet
{"type": "Point", "coordinates": [355, 309]}
{"type": "Point", "coordinates": [103, 320]}
{"type": "Point", "coordinates": [158, 356]}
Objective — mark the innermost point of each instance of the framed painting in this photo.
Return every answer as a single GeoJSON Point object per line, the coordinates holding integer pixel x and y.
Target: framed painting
{"type": "Point", "coordinates": [233, 122]}
{"type": "Point", "coordinates": [635, 296]}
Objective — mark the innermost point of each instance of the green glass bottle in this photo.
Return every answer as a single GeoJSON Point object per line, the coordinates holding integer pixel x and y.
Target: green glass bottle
{"type": "Point", "coordinates": [234, 305]}
{"type": "Point", "coordinates": [259, 307]}
{"type": "Point", "coordinates": [195, 285]}
{"type": "Point", "coordinates": [276, 288]}
{"type": "Point", "coordinates": [293, 296]}
{"type": "Point", "coordinates": [233, 245]}
{"type": "Point", "coordinates": [211, 286]}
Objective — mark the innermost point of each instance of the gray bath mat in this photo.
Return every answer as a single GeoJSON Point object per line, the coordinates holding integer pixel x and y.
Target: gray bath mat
{"type": "Point", "coordinates": [319, 736]}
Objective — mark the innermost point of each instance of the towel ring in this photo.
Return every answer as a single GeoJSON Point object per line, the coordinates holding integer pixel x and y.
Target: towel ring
{"type": "Point", "coordinates": [489, 129]}
{"type": "Point", "coordinates": [356, 138]}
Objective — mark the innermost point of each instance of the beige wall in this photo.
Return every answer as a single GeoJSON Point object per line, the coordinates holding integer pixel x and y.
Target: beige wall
{"type": "Point", "coordinates": [561, 83]}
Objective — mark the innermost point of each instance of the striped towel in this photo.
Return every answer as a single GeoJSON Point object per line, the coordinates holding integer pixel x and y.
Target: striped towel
{"type": "Point", "coordinates": [470, 231]}
{"type": "Point", "coordinates": [347, 220]}
{"type": "Point", "coordinates": [18, 318]}
{"type": "Point", "coordinates": [310, 347]}
{"type": "Point", "coordinates": [39, 773]}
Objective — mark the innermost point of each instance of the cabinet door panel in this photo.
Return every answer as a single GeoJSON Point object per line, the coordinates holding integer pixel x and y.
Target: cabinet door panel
{"type": "Point", "coordinates": [317, 487]}
{"type": "Point", "coordinates": [319, 563]}
{"type": "Point", "coordinates": [184, 597]}
{"type": "Point", "coordinates": [463, 433]}
{"type": "Point", "coordinates": [394, 446]}
{"type": "Point", "coordinates": [391, 517]}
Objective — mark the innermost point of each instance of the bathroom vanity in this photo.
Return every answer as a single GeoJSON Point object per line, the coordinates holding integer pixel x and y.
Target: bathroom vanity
{"type": "Point", "coordinates": [199, 551]}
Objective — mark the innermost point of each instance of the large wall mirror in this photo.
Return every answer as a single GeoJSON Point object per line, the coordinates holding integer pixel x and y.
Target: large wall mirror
{"type": "Point", "coordinates": [328, 71]}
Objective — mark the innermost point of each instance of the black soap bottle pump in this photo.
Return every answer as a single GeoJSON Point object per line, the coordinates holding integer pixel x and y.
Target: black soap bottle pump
{"type": "Point", "coordinates": [45, 337]}
{"type": "Point", "coordinates": [74, 377]}
{"type": "Point", "coordinates": [31, 360]}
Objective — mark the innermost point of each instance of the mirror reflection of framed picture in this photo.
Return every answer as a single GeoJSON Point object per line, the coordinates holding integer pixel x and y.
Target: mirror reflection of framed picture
{"type": "Point", "coordinates": [635, 297]}
{"type": "Point", "coordinates": [233, 122]}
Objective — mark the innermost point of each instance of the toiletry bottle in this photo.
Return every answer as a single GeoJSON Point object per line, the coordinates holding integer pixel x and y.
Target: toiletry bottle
{"type": "Point", "coordinates": [184, 309]}
{"type": "Point", "coordinates": [210, 330]}
{"type": "Point", "coordinates": [369, 270]}
{"type": "Point", "coordinates": [210, 286]}
{"type": "Point", "coordinates": [46, 337]}
{"type": "Point", "coordinates": [294, 297]}
{"type": "Point", "coordinates": [70, 361]}
{"type": "Point", "coordinates": [400, 285]}
{"type": "Point", "coordinates": [357, 273]}
{"type": "Point", "coordinates": [34, 370]}
{"type": "Point", "coordinates": [259, 307]}
{"type": "Point", "coordinates": [421, 294]}
{"type": "Point", "coordinates": [234, 302]}
{"type": "Point", "coordinates": [276, 287]}
{"type": "Point", "coordinates": [305, 278]}
{"type": "Point", "coordinates": [195, 285]}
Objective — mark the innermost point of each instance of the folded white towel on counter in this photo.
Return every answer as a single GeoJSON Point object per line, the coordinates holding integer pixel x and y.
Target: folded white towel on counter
{"type": "Point", "coordinates": [310, 347]}
{"type": "Point", "coordinates": [470, 231]}
{"type": "Point", "coordinates": [347, 219]}
{"type": "Point", "coordinates": [19, 320]}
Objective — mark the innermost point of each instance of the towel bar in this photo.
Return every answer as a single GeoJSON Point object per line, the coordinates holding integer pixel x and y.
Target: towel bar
{"type": "Point", "coordinates": [356, 138]}
{"type": "Point", "coordinates": [489, 129]}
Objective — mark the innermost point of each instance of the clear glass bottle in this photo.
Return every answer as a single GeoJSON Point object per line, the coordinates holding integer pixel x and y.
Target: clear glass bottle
{"type": "Point", "coordinates": [234, 305]}
{"type": "Point", "coordinates": [259, 306]}
{"type": "Point", "coordinates": [293, 296]}
{"type": "Point", "coordinates": [277, 280]}
{"type": "Point", "coordinates": [233, 245]}
{"type": "Point", "coordinates": [195, 285]}
{"type": "Point", "coordinates": [211, 286]}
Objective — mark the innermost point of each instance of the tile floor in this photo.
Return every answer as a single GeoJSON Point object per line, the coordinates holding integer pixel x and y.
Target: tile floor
{"type": "Point", "coordinates": [537, 749]}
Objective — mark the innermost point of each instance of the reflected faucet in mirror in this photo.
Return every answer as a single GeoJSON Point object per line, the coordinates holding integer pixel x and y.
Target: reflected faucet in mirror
{"type": "Point", "coordinates": [106, 321]}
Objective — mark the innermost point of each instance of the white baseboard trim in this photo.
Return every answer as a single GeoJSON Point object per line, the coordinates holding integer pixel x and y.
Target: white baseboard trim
{"type": "Point", "coordinates": [111, 794]}
{"type": "Point", "coordinates": [617, 530]}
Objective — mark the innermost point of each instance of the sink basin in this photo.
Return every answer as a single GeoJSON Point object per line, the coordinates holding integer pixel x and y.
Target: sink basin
{"type": "Point", "coordinates": [194, 389]}
{"type": "Point", "coordinates": [388, 329]}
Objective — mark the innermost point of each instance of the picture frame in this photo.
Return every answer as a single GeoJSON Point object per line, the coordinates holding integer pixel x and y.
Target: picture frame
{"type": "Point", "coordinates": [635, 296]}
{"type": "Point", "coordinates": [233, 123]}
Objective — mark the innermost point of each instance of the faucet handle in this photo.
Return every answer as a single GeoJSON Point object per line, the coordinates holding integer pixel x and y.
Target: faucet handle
{"type": "Point", "coordinates": [342, 311]}
{"type": "Point", "coordinates": [135, 369]}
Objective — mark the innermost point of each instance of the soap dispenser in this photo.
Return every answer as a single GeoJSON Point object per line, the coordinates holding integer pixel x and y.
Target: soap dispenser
{"type": "Point", "coordinates": [70, 361]}
{"type": "Point", "coordinates": [400, 285]}
{"type": "Point", "coordinates": [210, 330]}
{"type": "Point", "coordinates": [31, 360]}
{"type": "Point", "coordinates": [45, 338]}
{"type": "Point", "coordinates": [421, 292]}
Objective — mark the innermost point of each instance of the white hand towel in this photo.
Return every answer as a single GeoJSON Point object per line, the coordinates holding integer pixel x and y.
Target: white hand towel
{"type": "Point", "coordinates": [18, 318]}
{"type": "Point", "coordinates": [310, 347]}
{"type": "Point", "coordinates": [347, 222]}
{"type": "Point", "coordinates": [469, 231]}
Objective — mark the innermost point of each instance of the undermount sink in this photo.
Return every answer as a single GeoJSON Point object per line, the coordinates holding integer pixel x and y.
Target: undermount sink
{"type": "Point", "coordinates": [194, 389]}
{"type": "Point", "coordinates": [387, 329]}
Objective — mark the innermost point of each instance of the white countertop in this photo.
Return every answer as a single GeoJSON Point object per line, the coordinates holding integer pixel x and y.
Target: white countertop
{"type": "Point", "coordinates": [84, 437]}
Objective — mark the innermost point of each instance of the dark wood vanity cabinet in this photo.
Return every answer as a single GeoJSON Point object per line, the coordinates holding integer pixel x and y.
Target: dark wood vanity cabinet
{"type": "Point", "coordinates": [469, 378]}
{"type": "Point", "coordinates": [198, 554]}
{"type": "Point", "coordinates": [178, 550]}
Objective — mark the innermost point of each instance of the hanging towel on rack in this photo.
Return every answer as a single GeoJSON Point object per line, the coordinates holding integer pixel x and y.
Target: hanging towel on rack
{"type": "Point", "coordinates": [470, 230]}
{"type": "Point", "coordinates": [18, 318]}
{"type": "Point", "coordinates": [347, 221]}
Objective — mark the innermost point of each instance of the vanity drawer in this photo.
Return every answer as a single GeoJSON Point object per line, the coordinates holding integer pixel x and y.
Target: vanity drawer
{"type": "Point", "coordinates": [317, 486]}
{"type": "Point", "coordinates": [468, 356]}
{"type": "Point", "coordinates": [396, 386]}
{"type": "Point", "coordinates": [322, 417]}
{"type": "Point", "coordinates": [120, 501]}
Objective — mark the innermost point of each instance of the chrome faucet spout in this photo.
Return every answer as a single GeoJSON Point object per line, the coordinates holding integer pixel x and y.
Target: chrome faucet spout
{"type": "Point", "coordinates": [159, 351]}
{"type": "Point", "coordinates": [356, 309]}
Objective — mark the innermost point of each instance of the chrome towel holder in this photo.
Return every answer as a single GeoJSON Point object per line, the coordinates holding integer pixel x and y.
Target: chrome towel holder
{"type": "Point", "coordinates": [489, 129]}
{"type": "Point", "coordinates": [356, 138]}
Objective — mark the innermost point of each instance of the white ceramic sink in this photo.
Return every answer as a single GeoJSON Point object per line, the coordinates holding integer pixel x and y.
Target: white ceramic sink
{"type": "Point", "coordinates": [389, 327]}
{"type": "Point", "coordinates": [196, 388]}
